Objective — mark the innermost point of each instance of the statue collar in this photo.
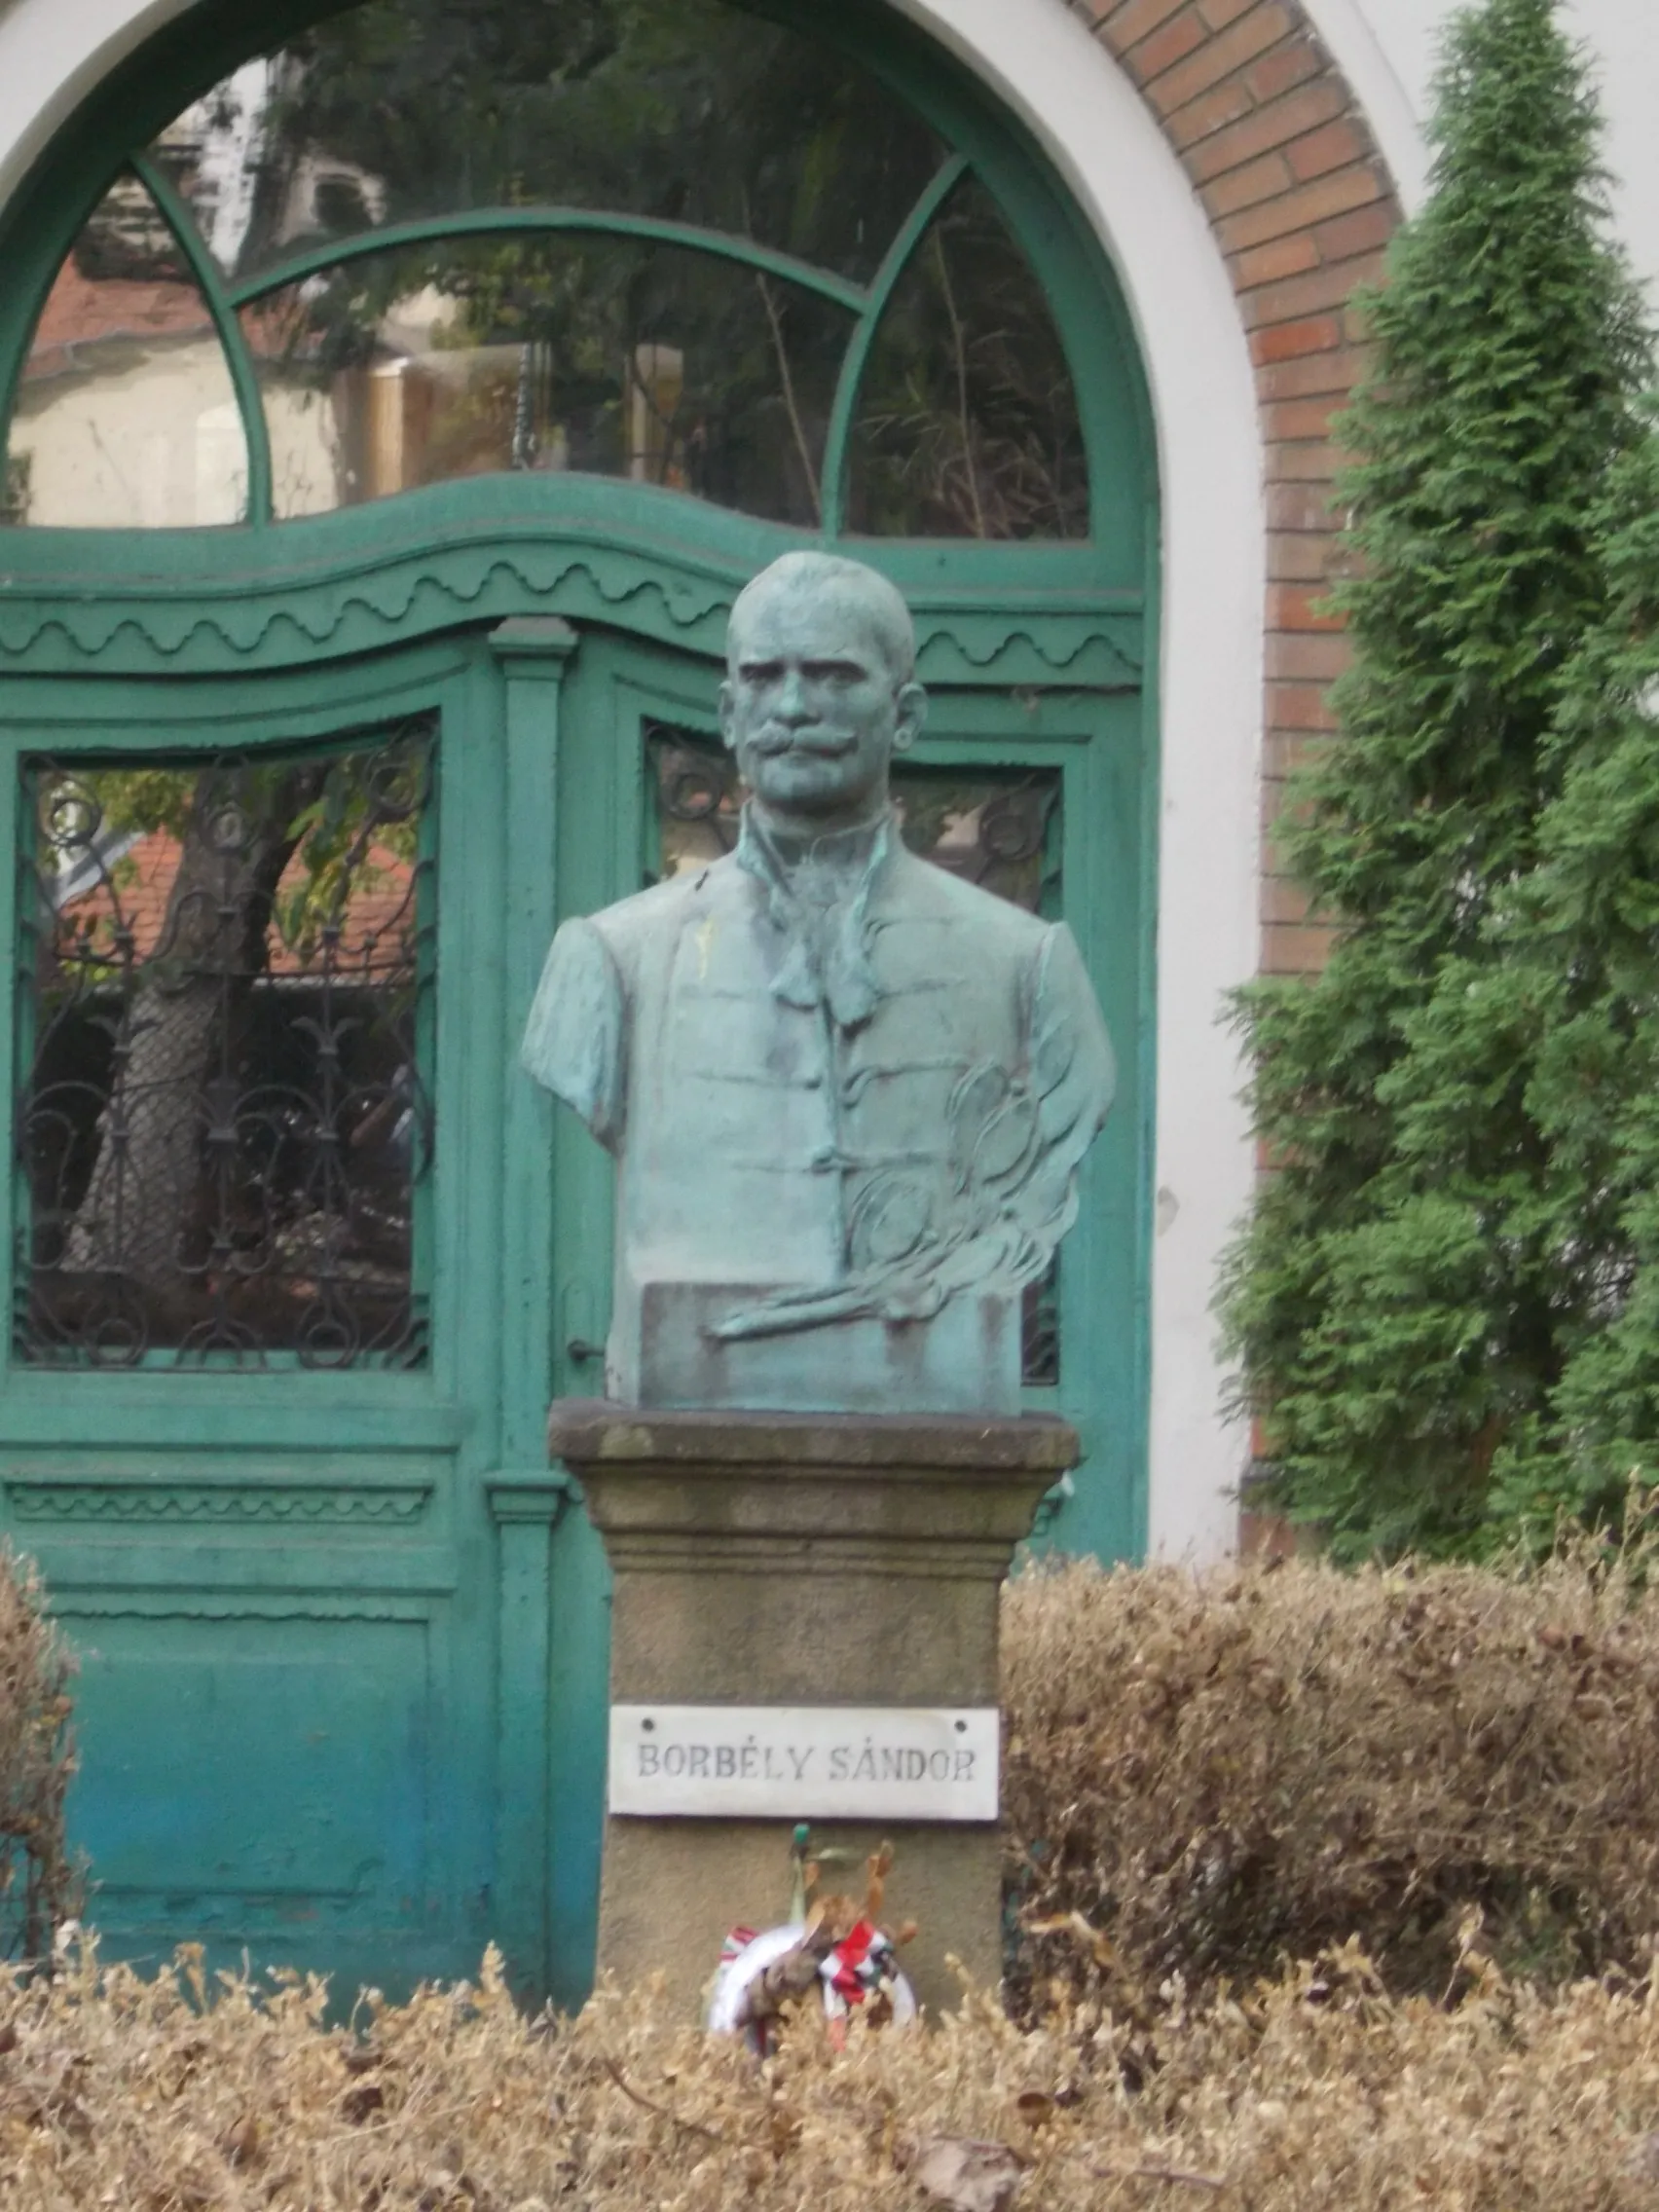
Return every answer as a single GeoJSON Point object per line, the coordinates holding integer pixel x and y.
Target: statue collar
{"type": "Point", "coordinates": [825, 963]}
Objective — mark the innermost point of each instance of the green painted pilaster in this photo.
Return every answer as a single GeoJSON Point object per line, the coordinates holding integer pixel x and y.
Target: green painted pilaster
{"type": "Point", "coordinates": [524, 1513]}
{"type": "Point", "coordinates": [525, 1496]}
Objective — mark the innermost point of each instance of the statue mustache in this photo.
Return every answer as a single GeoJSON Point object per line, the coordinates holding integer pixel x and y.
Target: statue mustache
{"type": "Point", "coordinates": [774, 739]}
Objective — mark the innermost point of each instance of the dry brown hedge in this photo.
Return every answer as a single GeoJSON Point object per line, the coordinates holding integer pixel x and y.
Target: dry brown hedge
{"type": "Point", "coordinates": [1210, 1774]}
{"type": "Point", "coordinates": [38, 1886]}
{"type": "Point", "coordinates": [1215, 1770]}
{"type": "Point", "coordinates": [161, 2096]}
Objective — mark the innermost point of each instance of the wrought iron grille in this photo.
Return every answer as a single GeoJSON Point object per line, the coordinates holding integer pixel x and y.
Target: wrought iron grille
{"type": "Point", "coordinates": [225, 1124]}
{"type": "Point", "coordinates": [996, 827]}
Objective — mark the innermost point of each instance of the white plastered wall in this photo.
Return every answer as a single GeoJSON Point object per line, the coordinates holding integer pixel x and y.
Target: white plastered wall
{"type": "Point", "coordinates": [1042, 61]}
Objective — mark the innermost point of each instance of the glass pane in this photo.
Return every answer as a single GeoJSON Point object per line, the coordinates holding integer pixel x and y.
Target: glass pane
{"type": "Point", "coordinates": [125, 415]}
{"type": "Point", "coordinates": [689, 110]}
{"type": "Point", "coordinates": [968, 422]}
{"type": "Point", "coordinates": [603, 354]}
{"type": "Point", "coordinates": [999, 828]}
{"type": "Point", "coordinates": [225, 1123]}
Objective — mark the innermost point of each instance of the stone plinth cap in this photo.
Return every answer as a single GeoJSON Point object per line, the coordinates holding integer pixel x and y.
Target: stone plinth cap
{"type": "Point", "coordinates": [596, 1433]}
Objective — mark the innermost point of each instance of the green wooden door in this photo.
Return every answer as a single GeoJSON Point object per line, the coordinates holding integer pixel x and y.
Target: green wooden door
{"type": "Point", "coordinates": [288, 1493]}
{"type": "Point", "coordinates": [409, 512]}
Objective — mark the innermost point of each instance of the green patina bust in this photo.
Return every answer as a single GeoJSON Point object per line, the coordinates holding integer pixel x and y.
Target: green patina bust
{"type": "Point", "coordinates": [847, 1093]}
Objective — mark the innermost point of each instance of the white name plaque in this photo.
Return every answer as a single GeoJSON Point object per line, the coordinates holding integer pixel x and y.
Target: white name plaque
{"type": "Point", "coordinates": [805, 1762]}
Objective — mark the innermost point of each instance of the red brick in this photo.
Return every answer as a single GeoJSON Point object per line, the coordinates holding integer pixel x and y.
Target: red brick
{"type": "Point", "coordinates": [1297, 116]}
{"type": "Point", "coordinates": [1299, 556]}
{"type": "Point", "coordinates": [1262, 27]}
{"type": "Point", "coordinates": [1294, 948]}
{"type": "Point", "coordinates": [1301, 418]}
{"type": "Point", "coordinates": [1296, 607]}
{"type": "Point", "coordinates": [1332, 374]}
{"type": "Point", "coordinates": [1299, 296]}
{"type": "Point", "coordinates": [1300, 506]}
{"type": "Point", "coordinates": [1211, 111]}
{"type": "Point", "coordinates": [1285, 67]}
{"type": "Point", "coordinates": [1361, 231]}
{"type": "Point", "coordinates": [1301, 208]}
{"type": "Point", "coordinates": [1277, 258]}
{"type": "Point", "coordinates": [1282, 899]}
{"type": "Point", "coordinates": [1299, 706]}
{"type": "Point", "coordinates": [1170, 43]}
{"type": "Point", "coordinates": [1123, 27]}
{"type": "Point", "coordinates": [1266, 179]}
{"type": "Point", "coordinates": [1284, 751]}
{"type": "Point", "coordinates": [1308, 656]}
{"type": "Point", "coordinates": [1301, 461]}
{"type": "Point", "coordinates": [1331, 148]}
{"type": "Point", "coordinates": [1218, 14]}
{"type": "Point", "coordinates": [1280, 341]}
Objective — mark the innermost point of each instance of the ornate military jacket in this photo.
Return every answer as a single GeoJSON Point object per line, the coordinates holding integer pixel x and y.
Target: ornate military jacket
{"type": "Point", "coordinates": [858, 1107]}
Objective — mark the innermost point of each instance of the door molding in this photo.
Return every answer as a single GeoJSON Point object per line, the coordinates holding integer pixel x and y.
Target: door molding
{"type": "Point", "coordinates": [209, 602]}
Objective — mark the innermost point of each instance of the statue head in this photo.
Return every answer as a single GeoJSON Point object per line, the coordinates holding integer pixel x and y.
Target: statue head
{"type": "Point", "coordinates": [821, 690]}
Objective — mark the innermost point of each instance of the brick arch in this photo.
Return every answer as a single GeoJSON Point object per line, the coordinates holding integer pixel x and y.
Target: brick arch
{"type": "Point", "coordinates": [1301, 205]}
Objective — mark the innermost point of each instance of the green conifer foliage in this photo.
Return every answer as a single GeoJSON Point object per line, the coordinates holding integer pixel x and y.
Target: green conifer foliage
{"type": "Point", "coordinates": [1579, 938]}
{"type": "Point", "coordinates": [1395, 1302]}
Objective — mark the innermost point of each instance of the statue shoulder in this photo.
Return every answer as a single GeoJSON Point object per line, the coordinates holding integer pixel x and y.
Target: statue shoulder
{"type": "Point", "coordinates": [629, 927]}
{"type": "Point", "coordinates": [923, 887]}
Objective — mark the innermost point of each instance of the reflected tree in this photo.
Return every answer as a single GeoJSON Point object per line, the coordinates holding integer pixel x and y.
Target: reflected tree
{"type": "Point", "coordinates": [204, 1172]}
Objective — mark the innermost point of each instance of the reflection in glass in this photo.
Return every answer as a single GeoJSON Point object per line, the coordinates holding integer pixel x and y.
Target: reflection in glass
{"type": "Point", "coordinates": [124, 413]}
{"type": "Point", "coordinates": [996, 827]}
{"type": "Point", "coordinates": [225, 1118]}
{"type": "Point", "coordinates": [687, 110]}
{"type": "Point", "coordinates": [598, 354]}
{"type": "Point", "coordinates": [999, 828]}
{"type": "Point", "coordinates": [968, 422]}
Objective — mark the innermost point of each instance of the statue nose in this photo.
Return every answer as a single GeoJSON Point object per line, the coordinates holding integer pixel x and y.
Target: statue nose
{"type": "Point", "coordinates": [794, 706]}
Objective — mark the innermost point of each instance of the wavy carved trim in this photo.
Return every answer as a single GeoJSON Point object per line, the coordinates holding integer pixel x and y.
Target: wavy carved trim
{"type": "Point", "coordinates": [195, 624]}
{"type": "Point", "coordinates": [215, 1503]}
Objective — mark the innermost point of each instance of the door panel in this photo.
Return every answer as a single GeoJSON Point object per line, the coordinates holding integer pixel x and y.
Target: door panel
{"type": "Point", "coordinates": [343, 1634]}
{"type": "Point", "coordinates": [260, 1506]}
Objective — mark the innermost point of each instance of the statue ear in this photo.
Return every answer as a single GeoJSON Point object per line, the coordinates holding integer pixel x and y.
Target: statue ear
{"type": "Point", "coordinates": [728, 735]}
{"type": "Point", "coordinates": [912, 706]}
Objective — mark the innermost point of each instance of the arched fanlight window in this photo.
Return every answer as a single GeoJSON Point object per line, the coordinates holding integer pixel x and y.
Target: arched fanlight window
{"type": "Point", "coordinates": [661, 240]}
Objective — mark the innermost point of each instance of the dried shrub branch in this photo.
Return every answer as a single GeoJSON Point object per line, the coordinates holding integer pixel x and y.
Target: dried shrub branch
{"type": "Point", "coordinates": [181, 2095]}
{"type": "Point", "coordinates": [38, 1885]}
{"type": "Point", "coordinates": [1210, 1775]}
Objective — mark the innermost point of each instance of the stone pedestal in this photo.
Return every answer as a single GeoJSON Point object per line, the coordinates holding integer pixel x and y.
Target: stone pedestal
{"type": "Point", "coordinates": [801, 1559]}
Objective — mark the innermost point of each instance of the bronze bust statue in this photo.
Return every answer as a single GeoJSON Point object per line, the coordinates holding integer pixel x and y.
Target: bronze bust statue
{"type": "Point", "coordinates": [847, 1093]}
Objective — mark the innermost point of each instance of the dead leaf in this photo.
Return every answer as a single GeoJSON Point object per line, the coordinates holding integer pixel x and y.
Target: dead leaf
{"type": "Point", "coordinates": [357, 2104]}
{"type": "Point", "coordinates": [242, 2144]}
{"type": "Point", "coordinates": [966, 2175]}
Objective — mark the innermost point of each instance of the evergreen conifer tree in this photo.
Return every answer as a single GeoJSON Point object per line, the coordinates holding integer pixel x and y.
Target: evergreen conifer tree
{"type": "Point", "coordinates": [1575, 991]}
{"type": "Point", "coordinates": [1397, 1301]}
